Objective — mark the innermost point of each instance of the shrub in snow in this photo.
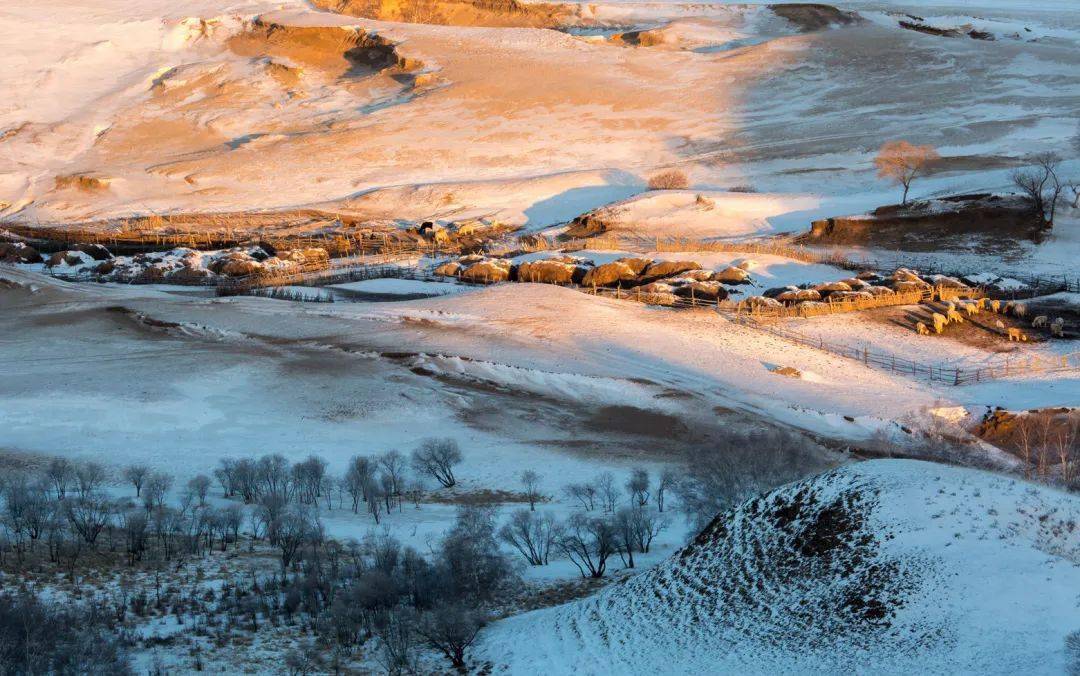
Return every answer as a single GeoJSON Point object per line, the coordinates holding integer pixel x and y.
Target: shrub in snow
{"type": "Point", "coordinates": [671, 179]}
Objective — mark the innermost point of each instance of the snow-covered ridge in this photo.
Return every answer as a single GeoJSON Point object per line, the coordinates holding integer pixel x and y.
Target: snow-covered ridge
{"type": "Point", "coordinates": [896, 564]}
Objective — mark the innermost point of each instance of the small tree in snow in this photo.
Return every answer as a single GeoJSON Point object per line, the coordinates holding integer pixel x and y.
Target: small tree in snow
{"type": "Point", "coordinates": [902, 162]}
{"type": "Point", "coordinates": [588, 542]}
{"type": "Point", "coordinates": [1041, 185]}
{"type": "Point", "coordinates": [530, 481]}
{"type": "Point", "coordinates": [437, 457]}
{"type": "Point", "coordinates": [136, 475]}
{"type": "Point", "coordinates": [531, 534]}
{"type": "Point", "coordinates": [638, 486]}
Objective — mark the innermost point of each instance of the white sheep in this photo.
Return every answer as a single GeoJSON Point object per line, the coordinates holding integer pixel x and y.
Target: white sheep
{"type": "Point", "coordinates": [940, 322]}
{"type": "Point", "coordinates": [1057, 328]}
{"type": "Point", "coordinates": [1000, 325]}
{"type": "Point", "coordinates": [922, 329]}
{"type": "Point", "coordinates": [1019, 309]}
{"type": "Point", "coordinates": [1040, 321]}
{"type": "Point", "coordinates": [971, 308]}
{"type": "Point", "coordinates": [954, 316]}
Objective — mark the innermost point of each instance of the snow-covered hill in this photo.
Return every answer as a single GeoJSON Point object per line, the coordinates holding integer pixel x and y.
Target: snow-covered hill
{"type": "Point", "coordinates": [882, 567]}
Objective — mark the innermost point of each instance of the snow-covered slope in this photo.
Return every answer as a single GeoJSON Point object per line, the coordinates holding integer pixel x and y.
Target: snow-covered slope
{"type": "Point", "coordinates": [882, 567]}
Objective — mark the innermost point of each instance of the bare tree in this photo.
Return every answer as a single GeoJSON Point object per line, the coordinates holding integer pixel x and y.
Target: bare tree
{"type": "Point", "coordinates": [1063, 443]}
{"type": "Point", "coordinates": [273, 474]}
{"type": "Point", "coordinates": [358, 478]}
{"type": "Point", "coordinates": [1024, 433]}
{"type": "Point", "coordinates": [89, 515]}
{"type": "Point", "coordinates": [588, 542]}
{"type": "Point", "coordinates": [740, 466]}
{"type": "Point", "coordinates": [1041, 185]}
{"type": "Point", "coordinates": [88, 478]}
{"type": "Point", "coordinates": [530, 481]}
{"type": "Point", "coordinates": [397, 637]}
{"type": "Point", "coordinates": [451, 629]}
{"type": "Point", "coordinates": [136, 476]}
{"type": "Point", "coordinates": [308, 479]}
{"type": "Point", "coordinates": [625, 536]}
{"type": "Point", "coordinates": [199, 487]}
{"type": "Point", "coordinates": [156, 489]}
{"type": "Point", "coordinates": [135, 525]}
{"type": "Point", "coordinates": [638, 486]}
{"type": "Point", "coordinates": [531, 534]}
{"type": "Point", "coordinates": [606, 491]}
{"type": "Point", "coordinates": [393, 467]}
{"type": "Point", "coordinates": [902, 162]}
{"type": "Point", "coordinates": [296, 527]}
{"type": "Point", "coordinates": [584, 493]}
{"type": "Point", "coordinates": [667, 481]}
{"type": "Point", "coordinates": [60, 473]}
{"type": "Point", "coordinates": [437, 457]}
{"type": "Point", "coordinates": [374, 498]}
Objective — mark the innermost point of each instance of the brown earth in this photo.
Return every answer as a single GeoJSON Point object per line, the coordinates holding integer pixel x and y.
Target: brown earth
{"type": "Point", "coordinates": [489, 13]}
{"type": "Point", "coordinates": [1013, 431]}
{"type": "Point", "coordinates": [336, 51]}
{"type": "Point", "coordinates": [812, 16]}
{"type": "Point", "coordinates": [929, 226]}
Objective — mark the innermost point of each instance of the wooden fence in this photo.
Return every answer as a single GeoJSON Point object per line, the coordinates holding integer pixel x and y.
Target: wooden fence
{"type": "Point", "coordinates": [951, 374]}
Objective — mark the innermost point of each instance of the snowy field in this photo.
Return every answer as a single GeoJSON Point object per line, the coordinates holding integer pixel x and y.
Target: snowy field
{"type": "Point", "coordinates": [140, 107]}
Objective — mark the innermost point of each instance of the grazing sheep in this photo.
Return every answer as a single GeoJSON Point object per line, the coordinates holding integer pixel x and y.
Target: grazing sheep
{"type": "Point", "coordinates": [1000, 325]}
{"type": "Point", "coordinates": [971, 309]}
{"type": "Point", "coordinates": [1057, 328]}
{"type": "Point", "coordinates": [1040, 321]}
{"type": "Point", "coordinates": [940, 322]}
{"type": "Point", "coordinates": [922, 329]}
{"type": "Point", "coordinates": [1019, 309]}
{"type": "Point", "coordinates": [995, 305]}
{"type": "Point", "coordinates": [954, 316]}
{"type": "Point", "coordinates": [1017, 335]}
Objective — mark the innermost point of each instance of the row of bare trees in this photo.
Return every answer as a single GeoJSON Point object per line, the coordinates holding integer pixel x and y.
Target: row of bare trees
{"type": "Point", "coordinates": [902, 162]}
{"type": "Point", "coordinates": [1044, 441]}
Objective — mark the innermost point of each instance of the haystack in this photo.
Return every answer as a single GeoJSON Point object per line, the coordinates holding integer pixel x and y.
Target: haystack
{"type": "Point", "coordinates": [661, 269]}
{"type": "Point", "coordinates": [610, 274]}
{"type": "Point", "coordinates": [546, 272]}
{"type": "Point", "coordinates": [487, 271]}
{"type": "Point", "coordinates": [732, 275]}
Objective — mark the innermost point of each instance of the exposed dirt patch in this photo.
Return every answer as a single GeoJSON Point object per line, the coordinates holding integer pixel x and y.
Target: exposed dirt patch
{"type": "Point", "coordinates": [814, 17]}
{"type": "Point", "coordinates": [978, 331]}
{"type": "Point", "coordinates": [493, 13]}
{"type": "Point", "coordinates": [483, 496]}
{"type": "Point", "coordinates": [1029, 433]}
{"type": "Point", "coordinates": [636, 421]}
{"type": "Point", "coordinates": [948, 223]}
{"type": "Point", "coordinates": [336, 51]}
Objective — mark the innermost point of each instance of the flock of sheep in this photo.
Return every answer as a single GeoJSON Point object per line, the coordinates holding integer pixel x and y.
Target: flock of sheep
{"type": "Point", "coordinates": [955, 311]}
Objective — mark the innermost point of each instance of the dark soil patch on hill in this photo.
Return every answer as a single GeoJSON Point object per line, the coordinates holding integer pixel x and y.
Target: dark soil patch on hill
{"type": "Point", "coordinates": [633, 420]}
{"type": "Point", "coordinates": [962, 222]}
